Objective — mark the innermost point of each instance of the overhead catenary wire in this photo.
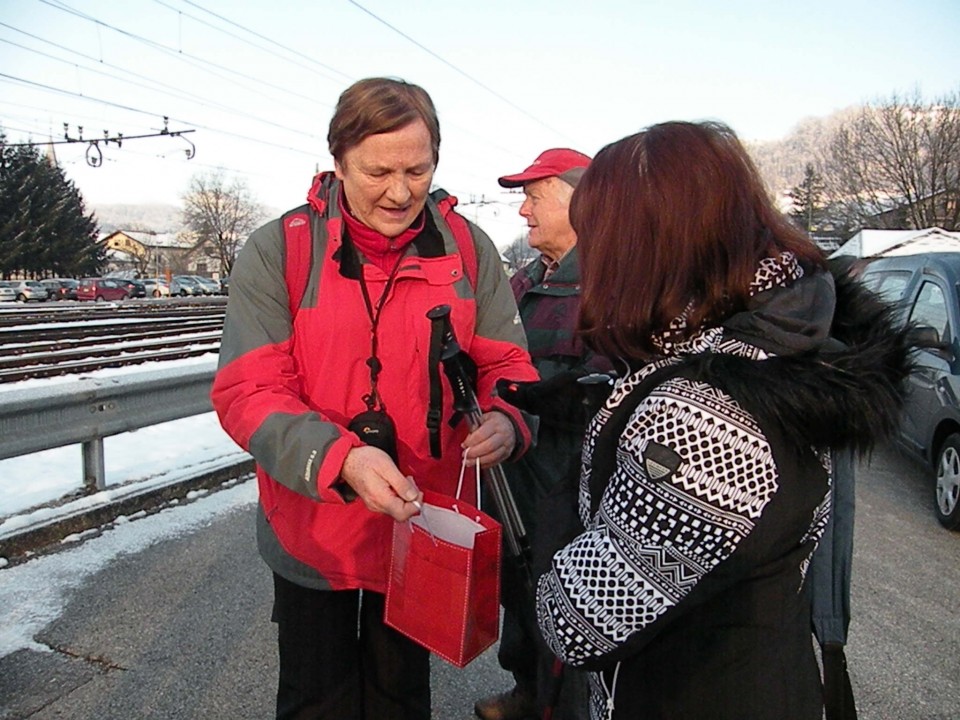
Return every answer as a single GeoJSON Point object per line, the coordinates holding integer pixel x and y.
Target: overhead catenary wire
{"type": "Point", "coordinates": [166, 89]}
{"type": "Point", "coordinates": [153, 114]}
{"type": "Point", "coordinates": [170, 51]}
{"type": "Point", "coordinates": [343, 75]}
{"type": "Point", "coordinates": [456, 69]}
{"type": "Point", "coordinates": [192, 60]}
{"type": "Point", "coordinates": [473, 142]}
{"type": "Point", "coordinates": [180, 54]}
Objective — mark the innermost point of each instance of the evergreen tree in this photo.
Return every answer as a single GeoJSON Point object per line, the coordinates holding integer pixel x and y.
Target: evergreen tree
{"type": "Point", "coordinates": [807, 199]}
{"type": "Point", "coordinates": [44, 227]}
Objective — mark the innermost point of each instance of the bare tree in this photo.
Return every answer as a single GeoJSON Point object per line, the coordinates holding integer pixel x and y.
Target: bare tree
{"type": "Point", "coordinates": [220, 214]}
{"type": "Point", "coordinates": [518, 254]}
{"type": "Point", "coordinates": [896, 163]}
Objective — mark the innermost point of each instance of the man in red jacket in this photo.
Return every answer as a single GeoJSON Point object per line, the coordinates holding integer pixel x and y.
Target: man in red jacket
{"type": "Point", "coordinates": [329, 387]}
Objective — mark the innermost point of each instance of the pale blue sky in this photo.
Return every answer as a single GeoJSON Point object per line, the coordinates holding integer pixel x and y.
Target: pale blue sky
{"type": "Point", "coordinates": [509, 78]}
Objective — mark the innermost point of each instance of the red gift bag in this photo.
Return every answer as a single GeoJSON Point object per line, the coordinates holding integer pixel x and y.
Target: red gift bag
{"type": "Point", "coordinates": [443, 591]}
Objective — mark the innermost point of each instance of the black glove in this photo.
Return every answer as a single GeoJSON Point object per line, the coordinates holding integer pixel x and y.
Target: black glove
{"type": "Point", "coordinates": [567, 400]}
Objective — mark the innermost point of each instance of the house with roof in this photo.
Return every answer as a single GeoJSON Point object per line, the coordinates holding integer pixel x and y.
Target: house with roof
{"type": "Point", "coordinates": [885, 243]}
{"type": "Point", "coordinates": [148, 254]}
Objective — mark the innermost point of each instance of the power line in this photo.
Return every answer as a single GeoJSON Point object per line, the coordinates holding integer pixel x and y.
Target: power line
{"type": "Point", "coordinates": [169, 89]}
{"type": "Point", "coordinates": [255, 34]}
{"type": "Point", "coordinates": [348, 77]}
{"type": "Point", "coordinates": [256, 99]}
{"type": "Point", "coordinates": [456, 69]}
{"type": "Point", "coordinates": [188, 58]}
{"type": "Point", "coordinates": [144, 112]}
{"type": "Point", "coordinates": [59, 5]}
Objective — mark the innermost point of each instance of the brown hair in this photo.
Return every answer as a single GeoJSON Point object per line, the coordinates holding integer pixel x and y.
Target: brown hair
{"type": "Point", "coordinates": [380, 105]}
{"type": "Point", "coordinates": [673, 219]}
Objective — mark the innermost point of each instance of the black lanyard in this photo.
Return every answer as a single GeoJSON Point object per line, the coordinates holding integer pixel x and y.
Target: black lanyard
{"type": "Point", "coordinates": [373, 399]}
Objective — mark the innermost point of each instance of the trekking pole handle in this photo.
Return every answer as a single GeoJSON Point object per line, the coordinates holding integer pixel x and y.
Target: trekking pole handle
{"type": "Point", "coordinates": [465, 401]}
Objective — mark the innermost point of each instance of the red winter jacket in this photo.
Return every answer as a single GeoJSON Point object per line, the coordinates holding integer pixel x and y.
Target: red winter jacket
{"type": "Point", "coordinates": [287, 387]}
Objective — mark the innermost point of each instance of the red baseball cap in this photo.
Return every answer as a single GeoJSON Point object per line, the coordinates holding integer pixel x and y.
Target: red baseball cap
{"type": "Point", "coordinates": [564, 163]}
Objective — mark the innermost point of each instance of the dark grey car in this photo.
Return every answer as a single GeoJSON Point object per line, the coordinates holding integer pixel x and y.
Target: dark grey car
{"type": "Point", "coordinates": [927, 289]}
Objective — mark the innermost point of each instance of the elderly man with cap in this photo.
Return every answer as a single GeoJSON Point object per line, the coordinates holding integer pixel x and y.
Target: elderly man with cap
{"type": "Point", "coordinates": [547, 291]}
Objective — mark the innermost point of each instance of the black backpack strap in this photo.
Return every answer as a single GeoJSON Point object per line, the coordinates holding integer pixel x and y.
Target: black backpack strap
{"type": "Point", "coordinates": [838, 703]}
{"type": "Point", "coordinates": [435, 410]}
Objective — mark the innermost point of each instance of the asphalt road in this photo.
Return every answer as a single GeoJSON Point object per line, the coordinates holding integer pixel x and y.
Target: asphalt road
{"type": "Point", "coordinates": [181, 631]}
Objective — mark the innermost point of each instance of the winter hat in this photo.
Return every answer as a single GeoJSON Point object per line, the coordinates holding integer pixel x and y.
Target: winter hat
{"type": "Point", "coordinates": [564, 163]}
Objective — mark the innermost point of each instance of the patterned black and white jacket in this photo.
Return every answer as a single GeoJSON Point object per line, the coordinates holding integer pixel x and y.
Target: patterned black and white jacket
{"type": "Point", "coordinates": [685, 593]}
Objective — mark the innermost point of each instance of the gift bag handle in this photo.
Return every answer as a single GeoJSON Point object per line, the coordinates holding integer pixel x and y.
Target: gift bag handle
{"type": "Point", "coordinates": [463, 467]}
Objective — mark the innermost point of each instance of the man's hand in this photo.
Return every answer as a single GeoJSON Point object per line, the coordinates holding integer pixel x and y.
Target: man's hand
{"type": "Point", "coordinates": [492, 442]}
{"type": "Point", "coordinates": [380, 484]}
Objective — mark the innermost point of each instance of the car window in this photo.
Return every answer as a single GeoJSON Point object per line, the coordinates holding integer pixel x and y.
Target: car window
{"type": "Point", "coordinates": [889, 284]}
{"type": "Point", "coordinates": [930, 308]}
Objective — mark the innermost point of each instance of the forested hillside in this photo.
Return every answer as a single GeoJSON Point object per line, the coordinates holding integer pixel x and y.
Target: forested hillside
{"type": "Point", "coordinates": [154, 218]}
{"type": "Point", "coordinates": [782, 162]}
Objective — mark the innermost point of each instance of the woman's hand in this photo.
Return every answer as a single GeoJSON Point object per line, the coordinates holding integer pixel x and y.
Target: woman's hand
{"type": "Point", "coordinates": [380, 484]}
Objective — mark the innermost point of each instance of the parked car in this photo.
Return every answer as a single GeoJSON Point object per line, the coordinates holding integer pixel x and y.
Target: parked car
{"type": "Point", "coordinates": [135, 288]}
{"type": "Point", "coordinates": [185, 285]}
{"type": "Point", "coordinates": [27, 290]}
{"type": "Point", "coordinates": [7, 293]}
{"type": "Point", "coordinates": [156, 287]}
{"type": "Point", "coordinates": [61, 288]}
{"type": "Point", "coordinates": [925, 289]}
{"type": "Point", "coordinates": [209, 285]}
{"type": "Point", "coordinates": [100, 289]}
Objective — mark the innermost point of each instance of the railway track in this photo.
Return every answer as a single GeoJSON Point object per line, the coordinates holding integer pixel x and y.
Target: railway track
{"type": "Point", "coordinates": [50, 340]}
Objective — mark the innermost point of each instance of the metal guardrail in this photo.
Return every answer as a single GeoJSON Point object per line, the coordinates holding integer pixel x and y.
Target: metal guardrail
{"type": "Point", "coordinates": [88, 410]}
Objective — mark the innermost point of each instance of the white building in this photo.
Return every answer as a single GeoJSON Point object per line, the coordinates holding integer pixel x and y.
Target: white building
{"type": "Point", "coordinates": [883, 243]}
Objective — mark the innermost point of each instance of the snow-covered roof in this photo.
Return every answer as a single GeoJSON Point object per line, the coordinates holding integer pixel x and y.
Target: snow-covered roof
{"type": "Point", "coordinates": [155, 239]}
{"type": "Point", "coordinates": [876, 243]}
{"type": "Point", "coordinates": [148, 239]}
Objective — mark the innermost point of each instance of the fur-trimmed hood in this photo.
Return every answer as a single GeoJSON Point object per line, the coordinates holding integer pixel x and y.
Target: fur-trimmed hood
{"type": "Point", "coordinates": [837, 362]}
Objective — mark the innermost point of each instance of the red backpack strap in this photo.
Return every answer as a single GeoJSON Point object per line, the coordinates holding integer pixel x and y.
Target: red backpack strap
{"type": "Point", "coordinates": [461, 233]}
{"type": "Point", "coordinates": [298, 239]}
{"type": "Point", "coordinates": [299, 248]}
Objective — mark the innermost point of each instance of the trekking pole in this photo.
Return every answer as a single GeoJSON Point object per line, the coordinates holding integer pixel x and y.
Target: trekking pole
{"type": "Point", "coordinates": [457, 367]}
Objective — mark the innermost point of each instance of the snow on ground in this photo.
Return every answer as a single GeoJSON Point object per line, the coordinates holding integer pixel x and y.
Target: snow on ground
{"type": "Point", "coordinates": [34, 594]}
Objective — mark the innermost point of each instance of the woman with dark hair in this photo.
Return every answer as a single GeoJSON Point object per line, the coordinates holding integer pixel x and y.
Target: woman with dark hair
{"type": "Point", "coordinates": [706, 475]}
{"type": "Point", "coordinates": [326, 378]}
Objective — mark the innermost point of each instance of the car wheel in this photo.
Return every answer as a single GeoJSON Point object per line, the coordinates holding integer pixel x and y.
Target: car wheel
{"type": "Point", "coordinates": [21, 298]}
{"type": "Point", "coordinates": [156, 293]}
{"type": "Point", "coordinates": [99, 298]}
{"type": "Point", "coordinates": [947, 489]}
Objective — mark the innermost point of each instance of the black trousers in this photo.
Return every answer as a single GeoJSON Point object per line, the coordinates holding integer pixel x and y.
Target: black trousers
{"type": "Point", "coordinates": [338, 661]}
